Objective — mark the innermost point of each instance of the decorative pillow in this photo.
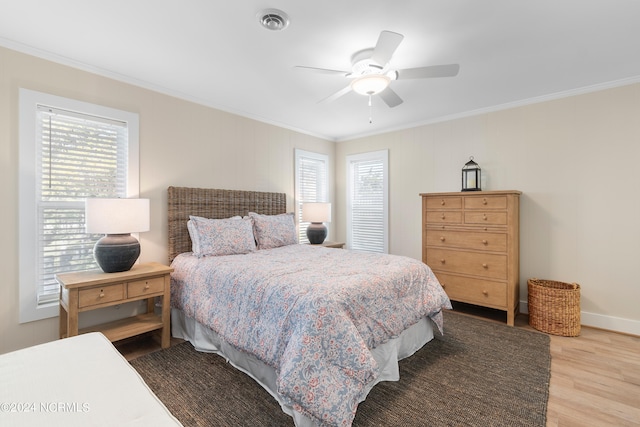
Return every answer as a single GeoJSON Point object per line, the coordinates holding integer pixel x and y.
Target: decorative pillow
{"type": "Point", "coordinates": [193, 232]}
{"type": "Point", "coordinates": [213, 237]}
{"type": "Point", "coordinates": [272, 231]}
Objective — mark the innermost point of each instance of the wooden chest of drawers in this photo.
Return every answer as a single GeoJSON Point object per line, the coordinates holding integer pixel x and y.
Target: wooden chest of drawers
{"type": "Point", "coordinates": [471, 242]}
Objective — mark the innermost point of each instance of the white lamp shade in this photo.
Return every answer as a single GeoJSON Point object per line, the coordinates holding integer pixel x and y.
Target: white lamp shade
{"type": "Point", "coordinates": [316, 212]}
{"type": "Point", "coordinates": [116, 216]}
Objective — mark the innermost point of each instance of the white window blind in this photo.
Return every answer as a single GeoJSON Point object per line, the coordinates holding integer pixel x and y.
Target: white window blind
{"type": "Point", "coordinates": [367, 195]}
{"type": "Point", "coordinates": [78, 156]}
{"type": "Point", "coordinates": [311, 179]}
{"type": "Point", "coordinates": [69, 151]}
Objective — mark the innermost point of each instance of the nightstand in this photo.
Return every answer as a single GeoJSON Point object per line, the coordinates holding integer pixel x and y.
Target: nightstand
{"type": "Point", "coordinates": [90, 290]}
{"type": "Point", "coordinates": [329, 244]}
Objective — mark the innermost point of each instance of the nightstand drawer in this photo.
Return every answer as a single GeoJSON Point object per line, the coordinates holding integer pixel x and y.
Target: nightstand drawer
{"type": "Point", "coordinates": [145, 287]}
{"type": "Point", "coordinates": [100, 295]}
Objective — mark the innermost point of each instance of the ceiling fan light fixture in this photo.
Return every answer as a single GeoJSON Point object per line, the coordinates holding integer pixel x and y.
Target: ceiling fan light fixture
{"type": "Point", "coordinates": [273, 19]}
{"type": "Point", "coordinates": [371, 84]}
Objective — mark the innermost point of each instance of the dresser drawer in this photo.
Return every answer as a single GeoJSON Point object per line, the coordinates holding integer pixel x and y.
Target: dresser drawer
{"type": "Point", "coordinates": [474, 291]}
{"type": "Point", "coordinates": [444, 217]}
{"type": "Point", "coordinates": [485, 218]}
{"type": "Point", "coordinates": [444, 202]}
{"type": "Point", "coordinates": [485, 202]}
{"type": "Point", "coordinates": [145, 287]}
{"type": "Point", "coordinates": [479, 240]}
{"type": "Point", "coordinates": [485, 265]}
{"type": "Point", "coordinates": [100, 295]}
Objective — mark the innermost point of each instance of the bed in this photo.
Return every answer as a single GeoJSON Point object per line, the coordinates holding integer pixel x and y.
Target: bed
{"type": "Point", "coordinates": [77, 381]}
{"type": "Point", "coordinates": [316, 327]}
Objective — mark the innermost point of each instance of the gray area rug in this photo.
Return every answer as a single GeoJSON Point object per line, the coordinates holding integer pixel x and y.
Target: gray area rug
{"type": "Point", "coordinates": [480, 373]}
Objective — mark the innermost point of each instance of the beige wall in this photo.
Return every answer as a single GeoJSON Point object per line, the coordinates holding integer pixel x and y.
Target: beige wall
{"type": "Point", "coordinates": [181, 144]}
{"type": "Point", "coordinates": [575, 159]}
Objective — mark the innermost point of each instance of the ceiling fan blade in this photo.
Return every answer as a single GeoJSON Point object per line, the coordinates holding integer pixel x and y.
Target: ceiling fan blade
{"type": "Point", "coordinates": [449, 70]}
{"type": "Point", "coordinates": [387, 44]}
{"type": "Point", "coordinates": [336, 95]}
{"type": "Point", "coordinates": [323, 70]}
{"type": "Point", "coordinates": [390, 97]}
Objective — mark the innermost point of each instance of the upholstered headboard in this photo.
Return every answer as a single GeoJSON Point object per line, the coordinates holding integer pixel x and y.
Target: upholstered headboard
{"type": "Point", "coordinates": [214, 203]}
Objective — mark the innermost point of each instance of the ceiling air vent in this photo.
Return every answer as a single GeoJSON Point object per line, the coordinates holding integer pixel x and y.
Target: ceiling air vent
{"type": "Point", "coordinates": [273, 19]}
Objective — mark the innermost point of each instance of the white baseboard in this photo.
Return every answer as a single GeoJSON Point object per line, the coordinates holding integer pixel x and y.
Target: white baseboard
{"type": "Point", "coordinates": [600, 321]}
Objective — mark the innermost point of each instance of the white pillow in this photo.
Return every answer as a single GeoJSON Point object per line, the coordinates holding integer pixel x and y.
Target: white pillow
{"type": "Point", "coordinates": [214, 237]}
{"type": "Point", "coordinates": [272, 231]}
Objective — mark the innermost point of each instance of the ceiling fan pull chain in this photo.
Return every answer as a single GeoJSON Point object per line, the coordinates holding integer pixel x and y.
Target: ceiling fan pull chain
{"type": "Point", "coordinates": [370, 110]}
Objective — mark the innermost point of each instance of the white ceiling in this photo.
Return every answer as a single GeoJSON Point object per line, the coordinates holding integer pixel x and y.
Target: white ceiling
{"type": "Point", "coordinates": [215, 52]}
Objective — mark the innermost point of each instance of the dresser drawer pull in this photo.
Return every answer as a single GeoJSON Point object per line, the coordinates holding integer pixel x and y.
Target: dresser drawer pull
{"type": "Point", "coordinates": [485, 266]}
{"type": "Point", "coordinates": [484, 242]}
{"type": "Point", "coordinates": [442, 261]}
{"type": "Point", "coordinates": [101, 294]}
{"type": "Point", "coordinates": [442, 238]}
{"type": "Point", "coordinates": [485, 293]}
{"type": "Point", "coordinates": [146, 286]}
{"type": "Point", "coordinates": [484, 217]}
{"type": "Point", "coordinates": [484, 201]}
{"type": "Point", "coordinates": [442, 216]}
{"type": "Point", "coordinates": [443, 285]}
{"type": "Point", "coordinates": [442, 202]}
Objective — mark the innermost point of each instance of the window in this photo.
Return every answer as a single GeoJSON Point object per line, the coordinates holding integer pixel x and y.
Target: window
{"type": "Point", "coordinates": [69, 150]}
{"type": "Point", "coordinates": [311, 170]}
{"type": "Point", "coordinates": [367, 201]}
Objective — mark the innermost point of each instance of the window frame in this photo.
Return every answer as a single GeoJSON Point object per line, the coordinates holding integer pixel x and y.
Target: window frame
{"type": "Point", "coordinates": [299, 154]}
{"type": "Point", "coordinates": [29, 100]}
{"type": "Point", "coordinates": [383, 156]}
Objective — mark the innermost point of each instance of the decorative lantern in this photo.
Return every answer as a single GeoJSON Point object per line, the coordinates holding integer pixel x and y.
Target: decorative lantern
{"type": "Point", "coordinates": [471, 176]}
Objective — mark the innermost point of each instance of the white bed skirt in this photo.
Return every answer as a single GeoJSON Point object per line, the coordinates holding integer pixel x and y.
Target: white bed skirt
{"type": "Point", "coordinates": [386, 355]}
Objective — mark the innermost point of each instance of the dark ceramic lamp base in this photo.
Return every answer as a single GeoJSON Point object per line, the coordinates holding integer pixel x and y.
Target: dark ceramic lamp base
{"type": "Point", "coordinates": [316, 233]}
{"type": "Point", "coordinates": [116, 252]}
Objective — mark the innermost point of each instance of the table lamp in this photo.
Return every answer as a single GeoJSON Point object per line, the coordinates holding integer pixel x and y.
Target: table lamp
{"type": "Point", "coordinates": [317, 214]}
{"type": "Point", "coordinates": [118, 250]}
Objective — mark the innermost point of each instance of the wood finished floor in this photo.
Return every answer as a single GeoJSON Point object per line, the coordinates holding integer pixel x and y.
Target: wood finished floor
{"type": "Point", "coordinates": [595, 378]}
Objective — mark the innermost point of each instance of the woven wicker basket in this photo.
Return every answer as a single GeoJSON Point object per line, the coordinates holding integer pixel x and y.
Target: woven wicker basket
{"type": "Point", "coordinates": [554, 307]}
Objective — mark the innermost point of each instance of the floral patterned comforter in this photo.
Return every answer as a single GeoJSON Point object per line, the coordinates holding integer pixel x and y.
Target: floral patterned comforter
{"type": "Point", "coordinates": [311, 313]}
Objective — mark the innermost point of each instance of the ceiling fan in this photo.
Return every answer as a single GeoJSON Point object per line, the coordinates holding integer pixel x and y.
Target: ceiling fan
{"type": "Point", "coordinates": [372, 75]}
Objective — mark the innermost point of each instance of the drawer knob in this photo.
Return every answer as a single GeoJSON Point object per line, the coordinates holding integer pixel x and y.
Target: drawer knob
{"type": "Point", "coordinates": [442, 261]}
{"type": "Point", "coordinates": [484, 201]}
{"type": "Point", "coordinates": [485, 293]}
{"type": "Point", "coordinates": [485, 266]}
{"type": "Point", "coordinates": [101, 295]}
{"type": "Point", "coordinates": [442, 238]}
{"type": "Point", "coordinates": [484, 242]}
{"type": "Point", "coordinates": [443, 285]}
{"type": "Point", "coordinates": [442, 202]}
{"type": "Point", "coordinates": [146, 287]}
{"type": "Point", "coordinates": [442, 216]}
{"type": "Point", "coordinates": [484, 217]}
